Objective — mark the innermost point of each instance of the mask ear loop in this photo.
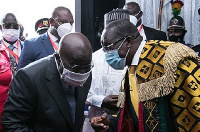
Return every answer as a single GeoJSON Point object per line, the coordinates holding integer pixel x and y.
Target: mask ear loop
{"type": "Point", "coordinates": [121, 44]}
{"type": "Point", "coordinates": [127, 52]}
{"type": "Point", "coordinates": [137, 14]}
{"type": "Point", "coordinates": [129, 48]}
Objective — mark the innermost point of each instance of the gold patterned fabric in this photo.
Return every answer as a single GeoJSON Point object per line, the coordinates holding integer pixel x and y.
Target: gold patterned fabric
{"type": "Point", "coordinates": [168, 69]}
{"type": "Point", "coordinates": [185, 99]}
{"type": "Point", "coordinates": [133, 88]}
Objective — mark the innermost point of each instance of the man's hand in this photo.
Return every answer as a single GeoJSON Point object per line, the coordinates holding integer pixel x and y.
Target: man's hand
{"type": "Point", "coordinates": [109, 104]}
{"type": "Point", "coordinates": [100, 123]}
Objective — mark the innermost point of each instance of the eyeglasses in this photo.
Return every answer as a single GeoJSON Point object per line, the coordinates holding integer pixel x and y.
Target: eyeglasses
{"type": "Point", "coordinates": [108, 47]}
{"type": "Point", "coordinates": [11, 26]}
{"type": "Point", "coordinates": [61, 22]}
{"type": "Point", "coordinates": [78, 68]}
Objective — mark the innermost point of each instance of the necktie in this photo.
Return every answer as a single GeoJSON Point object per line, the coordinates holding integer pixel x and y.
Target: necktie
{"type": "Point", "coordinates": [69, 92]}
{"type": "Point", "coordinates": [11, 47]}
{"type": "Point", "coordinates": [133, 88]}
{"type": "Point", "coordinates": [13, 63]}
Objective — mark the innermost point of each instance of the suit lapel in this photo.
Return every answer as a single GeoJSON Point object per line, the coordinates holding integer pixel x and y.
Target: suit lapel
{"type": "Point", "coordinates": [56, 90]}
{"type": "Point", "coordinates": [47, 44]}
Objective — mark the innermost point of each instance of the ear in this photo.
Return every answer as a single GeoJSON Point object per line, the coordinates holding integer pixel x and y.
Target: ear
{"type": "Point", "coordinates": [129, 41]}
{"type": "Point", "coordinates": [141, 13]}
{"type": "Point", "coordinates": [0, 27]}
{"type": "Point", "coordinates": [52, 22]}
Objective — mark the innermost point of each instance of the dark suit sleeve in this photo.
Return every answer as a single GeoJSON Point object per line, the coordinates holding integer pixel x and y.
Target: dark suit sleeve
{"type": "Point", "coordinates": [19, 107]}
{"type": "Point", "coordinates": [153, 34]}
{"type": "Point", "coordinates": [27, 55]}
{"type": "Point", "coordinates": [160, 35]}
{"type": "Point", "coordinates": [163, 36]}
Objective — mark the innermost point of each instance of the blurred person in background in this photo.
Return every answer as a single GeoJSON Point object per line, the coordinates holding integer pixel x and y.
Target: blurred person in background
{"type": "Point", "coordinates": [136, 18]}
{"type": "Point", "coordinates": [176, 29]}
{"type": "Point", "coordinates": [10, 39]}
{"type": "Point", "coordinates": [46, 44]}
{"type": "Point", "coordinates": [42, 26]}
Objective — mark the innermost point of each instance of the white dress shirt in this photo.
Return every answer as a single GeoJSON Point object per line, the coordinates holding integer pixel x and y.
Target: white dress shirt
{"type": "Point", "coordinates": [105, 80]}
{"type": "Point", "coordinates": [53, 38]}
{"type": "Point", "coordinates": [17, 49]}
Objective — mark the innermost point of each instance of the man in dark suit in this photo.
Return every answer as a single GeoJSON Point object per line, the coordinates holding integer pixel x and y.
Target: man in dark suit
{"type": "Point", "coordinates": [46, 44]}
{"type": "Point", "coordinates": [146, 32]}
{"type": "Point", "coordinates": [49, 95]}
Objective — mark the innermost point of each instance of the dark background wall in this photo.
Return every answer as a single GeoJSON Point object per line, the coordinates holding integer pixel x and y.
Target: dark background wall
{"type": "Point", "coordinates": [92, 18]}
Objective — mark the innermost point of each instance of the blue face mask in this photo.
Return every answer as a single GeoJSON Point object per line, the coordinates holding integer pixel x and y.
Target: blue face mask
{"type": "Point", "coordinates": [114, 60]}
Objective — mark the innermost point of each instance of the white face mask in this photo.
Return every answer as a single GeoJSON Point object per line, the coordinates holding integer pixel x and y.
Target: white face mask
{"type": "Point", "coordinates": [74, 79]}
{"type": "Point", "coordinates": [64, 29]}
{"type": "Point", "coordinates": [133, 19]}
{"type": "Point", "coordinates": [10, 34]}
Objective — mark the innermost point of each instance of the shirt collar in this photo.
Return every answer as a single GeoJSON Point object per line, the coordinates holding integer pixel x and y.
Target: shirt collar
{"type": "Point", "coordinates": [52, 36]}
{"type": "Point", "coordinates": [138, 53]}
{"type": "Point", "coordinates": [7, 44]}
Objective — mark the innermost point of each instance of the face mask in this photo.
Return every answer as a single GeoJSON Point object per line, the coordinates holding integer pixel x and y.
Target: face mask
{"type": "Point", "coordinates": [114, 60]}
{"type": "Point", "coordinates": [133, 19]}
{"type": "Point", "coordinates": [10, 34]}
{"type": "Point", "coordinates": [74, 79]}
{"type": "Point", "coordinates": [174, 38]}
{"type": "Point", "coordinates": [64, 29]}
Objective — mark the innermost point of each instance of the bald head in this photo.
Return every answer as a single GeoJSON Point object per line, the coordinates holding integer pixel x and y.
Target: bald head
{"type": "Point", "coordinates": [132, 7]}
{"type": "Point", "coordinates": [134, 10]}
{"type": "Point", "coordinates": [60, 15]}
{"type": "Point", "coordinates": [75, 48]}
{"type": "Point", "coordinates": [56, 12]}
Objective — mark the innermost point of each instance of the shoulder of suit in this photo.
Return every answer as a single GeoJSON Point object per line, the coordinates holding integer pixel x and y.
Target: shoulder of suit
{"type": "Point", "coordinates": [36, 40]}
{"type": "Point", "coordinates": [152, 29]}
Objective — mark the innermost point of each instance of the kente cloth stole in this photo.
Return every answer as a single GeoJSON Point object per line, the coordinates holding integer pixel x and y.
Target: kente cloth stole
{"type": "Point", "coordinates": [149, 67]}
{"type": "Point", "coordinates": [150, 70]}
{"type": "Point", "coordinates": [185, 99]}
{"type": "Point", "coordinates": [125, 123]}
{"type": "Point", "coordinates": [133, 88]}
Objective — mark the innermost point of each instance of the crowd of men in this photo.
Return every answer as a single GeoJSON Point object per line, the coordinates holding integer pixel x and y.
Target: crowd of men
{"type": "Point", "coordinates": [142, 79]}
